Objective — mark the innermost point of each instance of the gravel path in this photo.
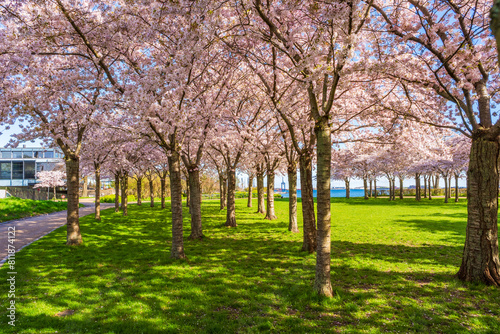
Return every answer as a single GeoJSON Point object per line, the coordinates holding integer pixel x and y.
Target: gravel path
{"type": "Point", "coordinates": [31, 229]}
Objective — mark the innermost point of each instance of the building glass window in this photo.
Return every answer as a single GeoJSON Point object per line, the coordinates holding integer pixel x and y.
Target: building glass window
{"type": "Point", "coordinates": [17, 170]}
{"type": "Point", "coordinates": [6, 155]}
{"type": "Point", "coordinates": [38, 154]}
{"type": "Point", "coordinates": [29, 169]}
{"type": "Point", "coordinates": [17, 154]}
{"type": "Point", "coordinates": [5, 168]}
{"type": "Point", "coordinates": [28, 154]}
{"type": "Point", "coordinates": [49, 154]}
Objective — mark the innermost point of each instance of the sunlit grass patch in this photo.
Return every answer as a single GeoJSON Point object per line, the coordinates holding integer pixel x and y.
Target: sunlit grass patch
{"type": "Point", "coordinates": [392, 270]}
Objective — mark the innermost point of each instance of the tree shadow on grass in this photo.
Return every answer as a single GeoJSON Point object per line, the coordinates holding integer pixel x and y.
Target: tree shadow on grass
{"type": "Point", "coordinates": [123, 281]}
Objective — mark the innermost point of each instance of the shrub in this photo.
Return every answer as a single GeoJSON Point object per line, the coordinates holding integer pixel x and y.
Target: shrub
{"type": "Point", "coordinates": [111, 198]}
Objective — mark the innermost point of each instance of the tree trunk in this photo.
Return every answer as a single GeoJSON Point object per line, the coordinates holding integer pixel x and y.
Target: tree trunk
{"type": "Point", "coordinates": [429, 181]}
{"type": "Point", "coordinates": [449, 186]}
{"type": "Point", "coordinates": [425, 186]}
{"type": "Point", "coordinates": [401, 188]}
{"type": "Point", "coordinates": [188, 195]}
{"type": "Point", "coordinates": [151, 193]}
{"type": "Point", "coordinates": [250, 182]}
{"type": "Point", "coordinates": [480, 261]}
{"type": "Point", "coordinates": [417, 187]}
{"type": "Point", "coordinates": [375, 187]}
{"type": "Point", "coordinates": [139, 190]}
{"type": "Point", "coordinates": [163, 188]}
{"type": "Point", "coordinates": [125, 193]}
{"type": "Point", "coordinates": [97, 192]}
{"type": "Point", "coordinates": [371, 192]}
{"type": "Point", "coordinates": [292, 198]}
{"type": "Point", "coordinates": [222, 190]}
{"type": "Point", "coordinates": [195, 191]}
{"type": "Point", "coordinates": [347, 188]}
{"type": "Point", "coordinates": [456, 187]}
{"type": "Point", "coordinates": [74, 236]}
{"type": "Point", "coordinates": [393, 179]}
{"type": "Point", "coordinates": [436, 182]}
{"type": "Point", "coordinates": [322, 283]}
{"type": "Point", "coordinates": [117, 192]}
{"type": "Point", "coordinates": [270, 196]}
{"type": "Point", "coordinates": [85, 187]}
{"type": "Point", "coordinates": [390, 188]}
{"type": "Point", "coordinates": [231, 205]}
{"type": "Point", "coordinates": [174, 166]}
{"type": "Point", "coordinates": [365, 187]}
{"type": "Point", "coordinates": [308, 215]}
{"type": "Point", "coordinates": [446, 189]}
{"type": "Point", "coordinates": [260, 192]}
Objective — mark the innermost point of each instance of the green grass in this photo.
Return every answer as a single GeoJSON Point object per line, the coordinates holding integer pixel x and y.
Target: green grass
{"type": "Point", "coordinates": [392, 271]}
{"type": "Point", "coordinates": [15, 208]}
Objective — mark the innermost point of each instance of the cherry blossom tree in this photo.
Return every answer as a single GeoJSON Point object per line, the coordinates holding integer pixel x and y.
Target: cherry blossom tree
{"type": "Point", "coordinates": [50, 179]}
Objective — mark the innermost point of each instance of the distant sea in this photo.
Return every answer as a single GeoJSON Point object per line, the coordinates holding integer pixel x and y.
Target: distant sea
{"type": "Point", "coordinates": [334, 193]}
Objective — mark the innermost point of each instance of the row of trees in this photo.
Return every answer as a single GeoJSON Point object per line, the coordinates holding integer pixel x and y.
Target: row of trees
{"type": "Point", "coordinates": [255, 86]}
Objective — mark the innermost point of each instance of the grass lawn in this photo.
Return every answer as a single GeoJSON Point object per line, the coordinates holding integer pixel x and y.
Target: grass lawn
{"type": "Point", "coordinates": [392, 271]}
{"type": "Point", "coordinates": [15, 208]}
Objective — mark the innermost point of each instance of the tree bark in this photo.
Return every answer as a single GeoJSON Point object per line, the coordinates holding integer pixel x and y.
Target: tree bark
{"type": "Point", "coordinates": [401, 188]}
{"type": "Point", "coordinates": [429, 181]}
{"type": "Point", "coordinates": [188, 195]}
{"type": "Point", "coordinates": [436, 182]}
{"type": "Point", "coordinates": [322, 283]}
{"type": "Point", "coordinates": [139, 190]}
{"type": "Point", "coordinates": [250, 182]}
{"type": "Point", "coordinates": [446, 189]}
{"type": "Point", "coordinates": [195, 191]}
{"type": "Point", "coordinates": [390, 188]}
{"type": "Point", "coordinates": [347, 188]}
{"type": "Point", "coordinates": [231, 205]}
{"type": "Point", "coordinates": [371, 192]}
{"type": "Point", "coordinates": [393, 179]}
{"type": "Point", "coordinates": [270, 196]}
{"type": "Point", "coordinates": [260, 192]}
{"type": "Point", "coordinates": [125, 193]}
{"type": "Point", "coordinates": [151, 193]}
{"type": "Point", "coordinates": [417, 187]}
{"type": "Point", "coordinates": [308, 215]}
{"type": "Point", "coordinates": [425, 186]}
{"type": "Point", "coordinates": [222, 190]}
{"type": "Point", "coordinates": [74, 236]}
{"type": "Point", "coordinates": [174, 166]}
{"type": "Point", "coordinates": [85, 187]}
{"type": "Point", "coordinates": [163, 189]}
{"type": "Point", "coordinates": [117, 192]}
{"type": "Point", "coordinates": [456, 187]}
{"type": "Point", "coordinates": [375, 187]}
{"type": "Point", "coordinates": [97, 168]}
{"type": "Point", "coordinates": [292, 198]}
{"type": "Point", "coordinates": [480, 262]}
{"type": "Point", "coordinates": [365, 187]}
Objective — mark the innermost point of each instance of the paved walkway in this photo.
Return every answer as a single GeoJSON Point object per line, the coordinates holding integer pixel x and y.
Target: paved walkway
{"type": "Point", "coordinates": [31, 229]}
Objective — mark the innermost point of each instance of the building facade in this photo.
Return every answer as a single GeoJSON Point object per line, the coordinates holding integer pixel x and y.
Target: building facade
{"type": "Point", "coordinates": [18, 166]}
